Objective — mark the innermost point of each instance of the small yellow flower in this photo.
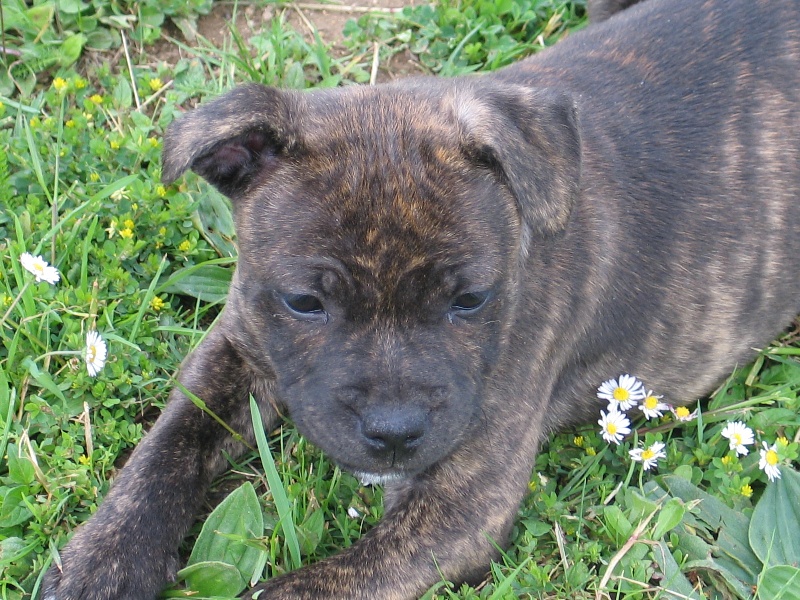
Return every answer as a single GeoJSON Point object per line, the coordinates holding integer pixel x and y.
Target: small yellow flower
{"type": "Point", "coordinates": [70, 123]}
{"type": "Point", "coordinates": [727, 460]}
{"type": "Point", "coordinates": [185, 246]}
{"type": "Point", "coordinates": [126, 233]}
{"type": "Point", "coordinates": [60, 84]}
{"type": "Point", "coordinates": [94, 177]}
{"type": "Point", "coordinates": [135, 206]}
{"type": "Point", "coordinates": [128, 224]}
{"type": "Point", "coordinates": [88, 116]}
{"type": "Point", "coordinates": [746, 491]}
{"type": "Point", "coordinates": [115, 145]}
{"type": "Point", "coordinates": [96, 98]}
{"type": "Point", "coordinates": [155, 84]}
{"type": "Point", "coordinates": [80, 83]}
{"type": "Point", "coordinates": [682, 413]}
{"type": "Point", "coordinates": [782, 441]}
{"type": "Point", "coordinates": [578, 441]}
{"type": "Point", "coordinates": [35, 122]}
{"type": "Point", "coordinates": [162, 231]}
{"type": "Point", "coordinates": [591, 451]}
{"type": "Point", "coordinates": [157, 303]}
{"type": "Point", "coordinates": [83, 459]}
{"type": "Point", "coordinates": [7, 300]}
{"type": "Point", "coordinates": [161, 191]}
{"type": "Point", "coordinates": [153, 142]}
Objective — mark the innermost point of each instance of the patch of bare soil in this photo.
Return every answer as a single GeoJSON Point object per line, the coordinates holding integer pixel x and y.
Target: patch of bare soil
{"type": "Point", "coordinates": [327, 19]}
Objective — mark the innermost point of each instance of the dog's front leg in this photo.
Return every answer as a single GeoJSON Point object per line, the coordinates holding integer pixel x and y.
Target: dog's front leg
{"type": "Point", "coordinates": [443, 524]}
{"type": "Point", "coordinates": [128, 549]}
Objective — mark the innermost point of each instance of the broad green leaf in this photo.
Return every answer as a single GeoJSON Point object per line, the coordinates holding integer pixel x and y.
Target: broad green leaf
{"type": "Point", "coordinates": [224, 535]}
{"type": "Point", "coordinates": [71, 49]}
{"type": "Point", "coordinates": [779, 583]}
{"type": "Point", "coordinates": [310, 532]}
{"type": "Point", "coordinates": [673, 580]}
{"type": "Point", "coordinates": [13, 510]}
{"type": "Point", "coordinates": [775, 525]}
{"type": "Point", "coordinates": [617, 523]}
{"type": "Point", "coordinates": [42, 16]}
{"type": "Point", "coordinates": [122, 94]}
{"type": "Point", "coordinates": [20, 468]}
{"type": "Point", "coordinates": [208, 283]}
{"type": "Point", "coordinates": [43, 379]}
{"type": "Point", "coordinates": [714, 537]}
{"type": "Point", "coordinates": [669, 517]}
{"type": "Point", "coordinates": [213, 578]}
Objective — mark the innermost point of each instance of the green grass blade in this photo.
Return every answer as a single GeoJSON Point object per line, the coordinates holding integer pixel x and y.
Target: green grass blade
{"type": "Point", "coordinates": [285, 512]}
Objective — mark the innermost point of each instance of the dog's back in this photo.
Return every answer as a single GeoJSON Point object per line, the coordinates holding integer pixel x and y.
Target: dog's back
{"type": "Point", "coordinates": [691, 161]}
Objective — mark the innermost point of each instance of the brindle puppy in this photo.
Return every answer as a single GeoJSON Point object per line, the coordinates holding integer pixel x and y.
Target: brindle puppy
{"type": "Point", "coordinates": [435, 274]}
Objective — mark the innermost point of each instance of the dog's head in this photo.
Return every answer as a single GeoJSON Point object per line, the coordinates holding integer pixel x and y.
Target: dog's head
{"type": "Point", "coordinates": [382, 232]}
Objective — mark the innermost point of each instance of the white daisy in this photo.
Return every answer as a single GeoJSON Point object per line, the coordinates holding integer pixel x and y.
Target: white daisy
{"type": "Point", "coordinates": [652, 407]}
{"type": "Point", "coordinates": [682, 414]}
{"type": "Point", "coordinates": [648, 456]}
{"type": "Point", "coordinates": [614, 426]}
{"type": "Point", "coordinates": [40, 269]}
{"type": "Point", "coordinates": [769, 461]}
{"type": "Point", "coordinates": [622, 393]}
{"type": "Point", "coordinates": [95, 353]}
{"type": "Point", "coordinates": [739, 435]}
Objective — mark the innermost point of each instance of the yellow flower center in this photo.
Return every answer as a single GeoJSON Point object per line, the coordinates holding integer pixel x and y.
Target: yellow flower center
{"type": "Point", "coordinates": [682, 412]}
{"type": "Point", "coordinates": [38, 267]}
{"type": "Point", "coordinates": [771, 457]}
{"type": "Point", "coordinates": [647, 454]}
{"type": "Point", "coordinates": [621, 394]}
{"type": "Point", "coordinates": [651, 402]}
{"type": "Point", "coordinates": [736, 439]}
{"type": "Point", "coordinates": [747, 491]}
{"type": "Point", "coordinates": [611, 429]}
{"type": "Point", "coordinates": [91, 353]}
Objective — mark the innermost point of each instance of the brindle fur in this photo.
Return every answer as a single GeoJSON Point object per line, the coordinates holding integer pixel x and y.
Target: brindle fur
{"type": "Point", "coordinates": [600, 10]}
{"type": "Point", "coordinates": [631, 198]}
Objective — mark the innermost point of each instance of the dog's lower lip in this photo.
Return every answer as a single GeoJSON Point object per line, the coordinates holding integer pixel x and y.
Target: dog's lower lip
{"type": "Point", "coordinates": [379, 478]}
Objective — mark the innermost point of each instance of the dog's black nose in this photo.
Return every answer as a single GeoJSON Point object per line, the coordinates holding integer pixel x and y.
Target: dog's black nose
{"type": "Point", "coordinates": [396, 431]}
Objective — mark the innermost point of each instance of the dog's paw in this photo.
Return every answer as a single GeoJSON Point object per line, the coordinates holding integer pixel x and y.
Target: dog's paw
{"type": "Point", "coordinates": [93, 576]}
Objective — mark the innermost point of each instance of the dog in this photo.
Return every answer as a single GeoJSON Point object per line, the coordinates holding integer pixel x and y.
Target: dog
{"type": "Point", "coordinates": [436, 273]}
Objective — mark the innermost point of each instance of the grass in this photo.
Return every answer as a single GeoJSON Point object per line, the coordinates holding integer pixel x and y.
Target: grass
{"type": "Point", "coordinates": [147, 266]}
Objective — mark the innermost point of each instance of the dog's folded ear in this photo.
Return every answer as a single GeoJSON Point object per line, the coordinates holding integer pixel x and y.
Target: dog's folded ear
{"type": "Point", "coordinates": [229, 140]}
{"type": "Point", "coordinates": [531, 140]}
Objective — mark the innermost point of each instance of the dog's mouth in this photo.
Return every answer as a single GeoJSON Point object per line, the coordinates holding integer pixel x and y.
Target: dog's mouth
{"type": "Point", "coordinates": [379, 478]}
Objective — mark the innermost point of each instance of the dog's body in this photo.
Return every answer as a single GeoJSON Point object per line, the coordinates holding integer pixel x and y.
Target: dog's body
{"type": "Point", "coordinates": [435, 273]}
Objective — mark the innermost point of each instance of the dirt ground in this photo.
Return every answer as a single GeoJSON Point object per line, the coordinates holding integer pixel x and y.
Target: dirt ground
{"type": "Point", "coordinates": [328, 19]}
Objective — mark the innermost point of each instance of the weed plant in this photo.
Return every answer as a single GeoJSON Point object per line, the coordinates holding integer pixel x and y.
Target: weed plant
{"type": "Point", "coordinates": [147, 266]}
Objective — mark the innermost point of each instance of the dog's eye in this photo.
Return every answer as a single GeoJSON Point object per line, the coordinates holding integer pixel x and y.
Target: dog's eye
{"type": "Point", "coordinates": [303, 304]}
{"type": "Point", "coordinates": [471, 301]}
